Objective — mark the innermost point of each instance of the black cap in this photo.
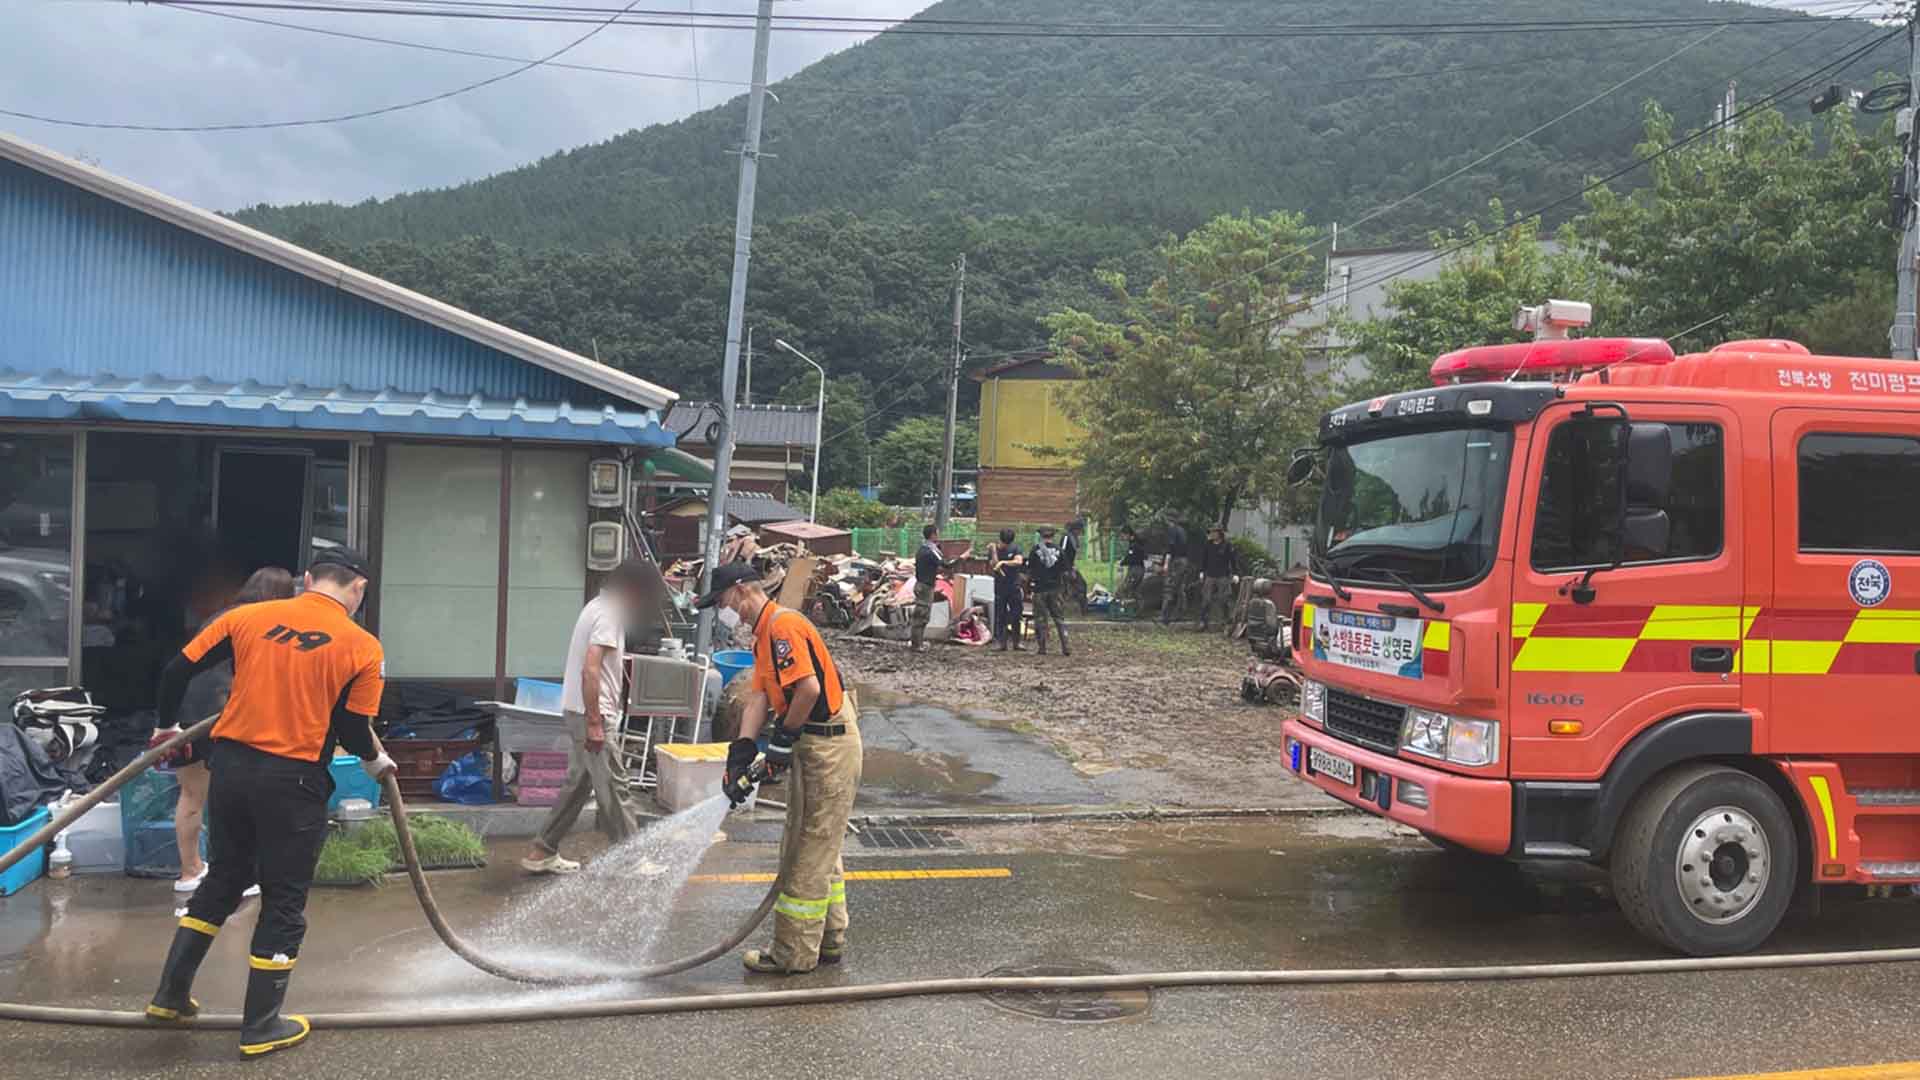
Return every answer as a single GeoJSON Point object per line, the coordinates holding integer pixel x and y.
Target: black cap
{"type": "Point", "coordinates": [1048, 530]}
{"type": "Point", "coordinates": [341, 556]}
{"type": "Point", "coordinates": [726, 578]}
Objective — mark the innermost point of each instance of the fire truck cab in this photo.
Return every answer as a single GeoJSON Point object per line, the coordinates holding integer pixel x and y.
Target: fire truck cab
{"type": "Point", "coordinates": [1586, 599]}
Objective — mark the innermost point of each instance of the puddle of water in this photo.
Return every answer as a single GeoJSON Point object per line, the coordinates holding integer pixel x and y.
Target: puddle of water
{"type": "Point", "coordinates": [922, 772]}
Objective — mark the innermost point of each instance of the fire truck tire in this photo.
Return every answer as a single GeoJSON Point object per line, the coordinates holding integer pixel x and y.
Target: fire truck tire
{"type": "Point", "coordinates": [1705, 861]}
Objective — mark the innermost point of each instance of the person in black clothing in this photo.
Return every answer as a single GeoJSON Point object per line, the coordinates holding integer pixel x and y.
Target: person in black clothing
{"type": "Point", "coordinates": [928, 564]}
{"type": "Point", "coordinates": [1179, 572]}
{"type": "Point", "coordinates": [1218, 565]}
{"type": "Point", "coordinates": [1009, 602]}
{"type": "Point", "coordinates": [1134, 562]}
{"type": "Point", "coordinates": [1044, 569]}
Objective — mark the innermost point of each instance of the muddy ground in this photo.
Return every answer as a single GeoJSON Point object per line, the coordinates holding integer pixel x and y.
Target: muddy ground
{"type": "Point", "coordinates": [1149, 714]}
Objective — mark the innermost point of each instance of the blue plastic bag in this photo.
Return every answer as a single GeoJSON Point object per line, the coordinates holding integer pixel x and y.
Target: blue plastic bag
{"type": "Point", "coordinates": [469, 781]}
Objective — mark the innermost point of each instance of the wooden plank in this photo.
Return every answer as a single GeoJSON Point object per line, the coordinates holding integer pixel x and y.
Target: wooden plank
{"type": "Point", "coordinates": [794, 590]}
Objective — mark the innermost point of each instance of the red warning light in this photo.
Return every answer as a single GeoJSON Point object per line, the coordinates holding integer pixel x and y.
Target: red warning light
{"type": "Point", "coordinates": [1486, 363]}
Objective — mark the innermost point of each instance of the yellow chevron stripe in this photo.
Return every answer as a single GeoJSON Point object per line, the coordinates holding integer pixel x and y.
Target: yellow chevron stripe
{"type": "Point", "coordinates": [1692, 622]}
{"type": "Point", "coordinates": [1819, 786]}
{"type": "Point", "coordinates": [1804, 657]}
{"type": "Point", "coordinates": [1573, 654]}
{"type": "Point", "coordinates": [1306, 617]}
{"type": "Point", "coordinates": [1526, 617]}
{"type": "Point", "coordinates": [1439, 637]}
{"type": "Point", "coordinates": [1873, 626]}
{"type": "Point", "coordinates": [1753, 658]}
{"type": "Point", "coordinates": [1747, 615]}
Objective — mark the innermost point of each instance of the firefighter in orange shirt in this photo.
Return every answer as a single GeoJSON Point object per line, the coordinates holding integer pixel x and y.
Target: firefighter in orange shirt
{"type": "Point", "coordinates": [305, 678]}
{"type": "Point", "coordinates": [798, 686]}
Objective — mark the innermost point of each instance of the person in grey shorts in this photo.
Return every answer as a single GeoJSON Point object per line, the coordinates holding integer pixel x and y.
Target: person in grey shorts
{"type": "Point", "coordinates": [590, 701]}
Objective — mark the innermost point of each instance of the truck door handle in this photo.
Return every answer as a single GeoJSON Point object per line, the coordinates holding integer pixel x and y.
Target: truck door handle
{"type": "Point", "coordinates": [1714, 659]}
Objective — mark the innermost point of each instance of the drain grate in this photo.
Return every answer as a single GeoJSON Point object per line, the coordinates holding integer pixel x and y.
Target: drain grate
{"type": "Point", "coordinates": [908, 839]}
{"type": "Point", "coordinates": [1067, 1006]}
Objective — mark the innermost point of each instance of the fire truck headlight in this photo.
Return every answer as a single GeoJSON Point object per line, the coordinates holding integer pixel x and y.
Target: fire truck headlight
{"type": "Point", "coordinates": [1473, 742]}
{"type": "Point", "coordinates": [1456, 739]}
{"type": "Point", "coordinates": [1313, 701]}
{"type": "Point", "coordinates": [1425, 733]}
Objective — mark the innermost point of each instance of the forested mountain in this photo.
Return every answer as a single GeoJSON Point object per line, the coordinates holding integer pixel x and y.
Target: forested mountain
{"type": "Point", "coordinates": [1043, 159]}
{"type": "Point", "coordinates": [1157, 132]}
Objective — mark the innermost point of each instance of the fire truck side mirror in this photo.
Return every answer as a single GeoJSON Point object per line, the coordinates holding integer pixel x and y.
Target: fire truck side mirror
{"type": "Point", "coordinates": [1649, 466]}
{"type": "Point", "coordinates": [1300, 469]}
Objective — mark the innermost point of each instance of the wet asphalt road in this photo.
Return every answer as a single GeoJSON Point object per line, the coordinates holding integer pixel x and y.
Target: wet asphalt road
{"type": "Point", "coordinates": [1298, 892]}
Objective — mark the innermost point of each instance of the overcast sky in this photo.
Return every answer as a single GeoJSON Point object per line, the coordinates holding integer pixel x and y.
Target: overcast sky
{"type": "Point", "coordinates": [102, 61]}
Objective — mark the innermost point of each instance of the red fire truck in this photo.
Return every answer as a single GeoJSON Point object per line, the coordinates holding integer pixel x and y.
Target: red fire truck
{"type": "Point", "coordinates": [1586, 599]}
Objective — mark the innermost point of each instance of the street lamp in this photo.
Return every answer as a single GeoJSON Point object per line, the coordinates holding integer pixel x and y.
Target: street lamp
{"type": "Point", "coordinates": [819, 412]}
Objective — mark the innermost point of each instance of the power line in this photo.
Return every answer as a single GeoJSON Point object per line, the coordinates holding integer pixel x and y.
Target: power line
{"type": "Point", "coordinates": [215, 127]}
{"type": "Point", "coordinates": [1110, 31]}
{"type": "Point", "coordinates": [361, 115]}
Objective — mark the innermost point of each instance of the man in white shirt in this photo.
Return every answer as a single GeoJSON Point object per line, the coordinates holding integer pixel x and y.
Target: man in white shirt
{"type": "Point", "coordinates": [590, 699]}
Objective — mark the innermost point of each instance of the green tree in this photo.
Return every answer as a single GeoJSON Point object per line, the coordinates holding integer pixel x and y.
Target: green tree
{"type": "Point", "coordinates": [1472, 300]}
{"type": "Point", "coordinates": [1851, 324]}
{"type": "Point", "coordinates": [845, 508]}
{"type": "Point", "coordinates": [906, 460]}
{"type": "Point", "coordinates": [1193, 397]}
{"type": "Point", "coordinates": [1753, 229]}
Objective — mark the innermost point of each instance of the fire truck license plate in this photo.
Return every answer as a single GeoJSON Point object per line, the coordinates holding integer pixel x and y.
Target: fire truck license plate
{"type": "Point", "coordinates": [1326, 764]}
{"type": "Point", "coordinates": [1369, 641]}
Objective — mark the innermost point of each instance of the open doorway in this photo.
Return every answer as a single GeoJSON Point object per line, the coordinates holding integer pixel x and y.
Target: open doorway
{"type": "Point", "coordinates": [175, 523]}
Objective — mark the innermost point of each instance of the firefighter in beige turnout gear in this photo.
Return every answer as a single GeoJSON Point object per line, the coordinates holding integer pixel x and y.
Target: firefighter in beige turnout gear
{"type": "Point", "coordinates": [816, 727]}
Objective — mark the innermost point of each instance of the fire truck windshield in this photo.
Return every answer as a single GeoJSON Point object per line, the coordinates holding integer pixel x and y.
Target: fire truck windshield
{"type": "Point", "coordinates": [1425, 506]}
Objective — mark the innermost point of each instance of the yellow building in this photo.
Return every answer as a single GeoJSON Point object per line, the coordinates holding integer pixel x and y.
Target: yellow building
{"type": "Point", "coordinates": [1021, 413]}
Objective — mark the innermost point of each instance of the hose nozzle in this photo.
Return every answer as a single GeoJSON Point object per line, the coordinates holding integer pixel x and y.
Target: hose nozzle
{"type": "Point", "coordinates": [740, 788]}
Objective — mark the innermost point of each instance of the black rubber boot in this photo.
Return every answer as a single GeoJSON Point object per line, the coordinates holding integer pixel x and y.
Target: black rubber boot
{"type": "Point", "coordinates": [264, 1030]}
{"type": "Point", "coordinates": [833, 948]}
{"type": "Point", "coordinates": [1064, 651]}
{"type": "Point", "coordinates": [174, 1000]}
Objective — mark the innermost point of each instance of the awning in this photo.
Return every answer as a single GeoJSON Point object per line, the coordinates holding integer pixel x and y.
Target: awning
{"type": "Point", "coordinates": [682, 465]}
{"type": "Point", "coordinates": [57, 395]}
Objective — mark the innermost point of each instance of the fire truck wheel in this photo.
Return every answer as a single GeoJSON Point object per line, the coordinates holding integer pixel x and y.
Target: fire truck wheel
{"type": "Point", "coordinates": [1705, 861]}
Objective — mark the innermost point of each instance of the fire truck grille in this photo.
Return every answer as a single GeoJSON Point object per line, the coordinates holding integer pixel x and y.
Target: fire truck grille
{"type": "Point", "coordinates": [1373, 724]}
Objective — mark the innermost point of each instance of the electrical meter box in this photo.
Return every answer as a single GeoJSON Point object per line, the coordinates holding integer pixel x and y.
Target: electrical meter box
{"type": "Point", "coordinates": [606, 482]}
{"type": "Point", "coordinates": [605, 541]}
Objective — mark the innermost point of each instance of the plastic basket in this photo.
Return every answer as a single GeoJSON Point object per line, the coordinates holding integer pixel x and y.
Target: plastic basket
{"type": "Point", "coordinates": [350, 781]}
{"type": "Point", "coordinates": [27, 870]}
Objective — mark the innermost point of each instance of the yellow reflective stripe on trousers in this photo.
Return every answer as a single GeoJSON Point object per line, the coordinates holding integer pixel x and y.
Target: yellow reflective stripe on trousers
{"type": "Point", "coordinates": [264, 963]}
{"type": "Point", "coordinates": [837, 893]}
{"type": "Point", "coordinates": [200, 925]}
{"type": "Point", "coordinates": [795, 908]}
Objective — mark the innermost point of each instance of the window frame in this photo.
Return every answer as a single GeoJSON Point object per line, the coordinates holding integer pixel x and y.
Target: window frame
{"type": "Point", "coordinates": [1720, 491]}
{"type": "Point", "coordinates": [1799, 493]}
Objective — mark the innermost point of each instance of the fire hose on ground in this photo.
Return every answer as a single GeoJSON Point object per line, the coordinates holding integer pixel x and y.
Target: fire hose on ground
{"type": "Point", "coordinates": [681, 1003]}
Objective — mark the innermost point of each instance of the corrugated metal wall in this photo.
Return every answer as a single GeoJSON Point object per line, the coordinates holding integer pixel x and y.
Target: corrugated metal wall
{"type": "Point", "coordinates": [92, 287]}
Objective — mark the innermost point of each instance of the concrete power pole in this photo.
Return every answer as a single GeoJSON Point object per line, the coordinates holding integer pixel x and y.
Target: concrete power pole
{"type": "Point", "coordinates": [736, 314]}
{"type": "Point", "coordinates": [746, 396]}
{"type": "Point", "coordinates": [1904, 298]}
{"type": "Point", "coordinates": [944, 507]}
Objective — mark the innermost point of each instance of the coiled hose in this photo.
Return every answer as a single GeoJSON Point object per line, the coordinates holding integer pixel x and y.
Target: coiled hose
{"type": "Point", "coordinates": [582, 1010]}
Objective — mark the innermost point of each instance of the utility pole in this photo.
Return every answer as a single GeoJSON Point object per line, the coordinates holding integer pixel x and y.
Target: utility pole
{"type": "Point", "coordinates": [746, 396]}
{"type": "Point", "coordinates": [736, 315]}
{"type": "Point", "coordinates": [1904, 298]}
{"type": "Point", "coordinates": [944, 507]}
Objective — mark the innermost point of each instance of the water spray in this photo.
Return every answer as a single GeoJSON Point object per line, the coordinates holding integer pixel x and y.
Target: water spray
{"type": "Point", "coordinates": [683, 1003]}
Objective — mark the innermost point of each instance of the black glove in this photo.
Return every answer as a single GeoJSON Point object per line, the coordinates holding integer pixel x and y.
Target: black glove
{"type": "Point", "coordinates": [740, 755]}
{"type": "Point", "coordinates": [780, 748]}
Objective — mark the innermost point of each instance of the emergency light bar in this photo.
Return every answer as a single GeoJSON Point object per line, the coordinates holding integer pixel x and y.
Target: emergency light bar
{"type": "Point", "coordinates": [1550, 359]}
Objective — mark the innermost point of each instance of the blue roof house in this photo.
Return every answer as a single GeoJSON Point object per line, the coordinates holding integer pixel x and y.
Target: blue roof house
{"type": "Point", "coordinates": [184, 400]}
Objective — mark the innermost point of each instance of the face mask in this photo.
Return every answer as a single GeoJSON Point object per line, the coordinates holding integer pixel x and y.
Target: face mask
{"type": "Point", "coordinates": [729, 618]}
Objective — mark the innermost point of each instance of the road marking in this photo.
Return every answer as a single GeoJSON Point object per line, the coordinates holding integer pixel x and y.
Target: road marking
{"type": "Point", "coordinates": [1904, 1070]}
{"type": "Point", "coordinates": [950, 873]}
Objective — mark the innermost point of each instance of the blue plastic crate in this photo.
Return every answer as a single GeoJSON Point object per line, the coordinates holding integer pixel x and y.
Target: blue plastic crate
{"type": "Point", "coordinates": [350, 781]}
{"type": "Point", "coordinates": [27, 870]}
